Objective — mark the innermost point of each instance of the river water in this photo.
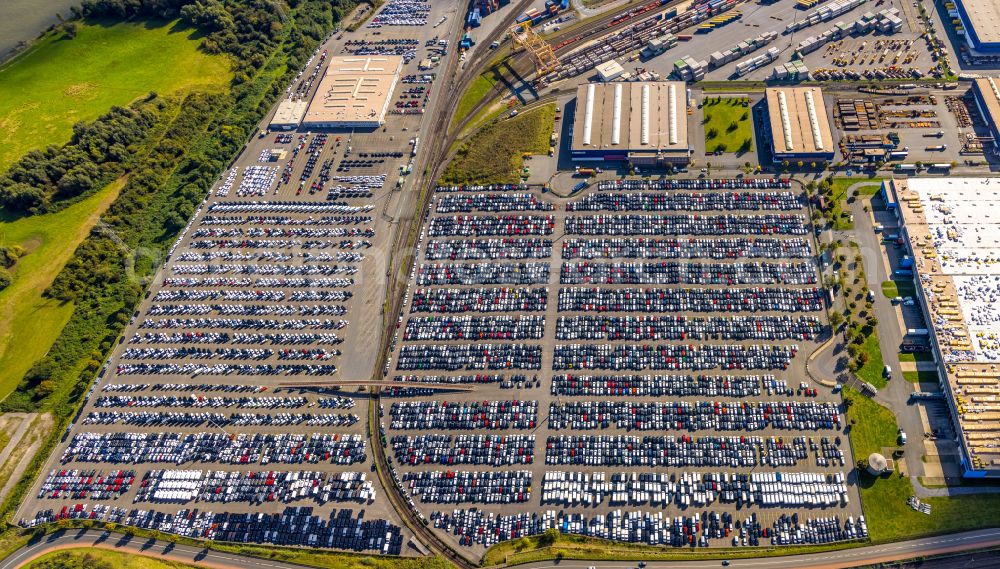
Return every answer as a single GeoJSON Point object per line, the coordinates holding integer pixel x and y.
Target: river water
{"type": "Point", "coordinates": [23, 20]}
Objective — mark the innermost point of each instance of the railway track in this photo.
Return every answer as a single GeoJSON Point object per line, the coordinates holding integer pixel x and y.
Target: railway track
{"type": "Point", "coordinates": [399, 502]}
{"type": "Point", "coordinates": [408, 224]}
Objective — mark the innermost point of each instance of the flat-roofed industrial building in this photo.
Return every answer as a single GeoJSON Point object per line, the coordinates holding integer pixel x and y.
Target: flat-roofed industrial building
{"type": "Point", "coordinates": [355, 92]}
{"type": "Point", "coordinates": [987, 92]}
{"type": "Point", "coordinates": [800, 127]}
{"type": "Point", "coordinates": [980, 23]}
{"type": "Point", "coordinates": [950, 230]}
{"type": "Point", "coordinates": [289, 115]}
{"type": "Point", "coordinates": [644, 123]}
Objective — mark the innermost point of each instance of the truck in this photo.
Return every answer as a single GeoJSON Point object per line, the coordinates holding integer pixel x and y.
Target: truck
{"type": "Point", "coordinates": [902, 273]}
{"type": "Point", "coordinates": [580, 186]}
{"type": "Point", "coordinates": [585, 172]}
{"type": "Point", "coordinates": [920, 332]}
{"type": "Point", "coordinates": [937, 148]}
{"type": "Point", "coordinates": [913, 346]}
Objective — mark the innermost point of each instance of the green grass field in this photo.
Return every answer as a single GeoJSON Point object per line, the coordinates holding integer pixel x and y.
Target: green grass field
{"type": "Point", "coordinates": [29, 323]}
{"type": "Point", "coordinates": [727, 126]}
{"type": "Point", "coordinates": [480, 87]}
{"type": "Point", "coordinates": [60, 81]}
{"type": "Point", "coordinates": [872, 371]}
{"type": "Point", "coordinates": [494, 155]}
{"type": "Point", "coordinates": [839, 213]}
{"type": "Point", "coordinates": [884, 498]}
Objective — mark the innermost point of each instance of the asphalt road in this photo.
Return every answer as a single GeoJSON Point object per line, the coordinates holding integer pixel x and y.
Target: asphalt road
{"type": "Point", "coordinates": [966, 541]}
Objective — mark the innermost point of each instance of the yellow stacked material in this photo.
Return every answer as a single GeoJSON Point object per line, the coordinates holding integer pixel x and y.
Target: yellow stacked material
{"type": "Point", "coordinates": [978, 374]}
{"type": "Point", "coordinates": [983, 390]}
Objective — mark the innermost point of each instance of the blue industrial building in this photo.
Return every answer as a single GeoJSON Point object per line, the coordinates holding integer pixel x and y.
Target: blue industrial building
{"type": "Point", "coordinates": [980, 23]}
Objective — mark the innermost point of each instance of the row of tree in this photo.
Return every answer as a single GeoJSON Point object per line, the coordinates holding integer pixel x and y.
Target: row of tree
{"type": "Point", "coordinates": [97, 153]}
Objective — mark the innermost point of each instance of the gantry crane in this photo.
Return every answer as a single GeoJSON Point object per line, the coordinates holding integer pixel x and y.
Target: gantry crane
{"type": "Point", "coordinates": [539, 50]}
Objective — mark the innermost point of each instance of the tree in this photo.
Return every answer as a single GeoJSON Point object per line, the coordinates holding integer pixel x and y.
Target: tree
{"type": "Point", "coordinates": [71, 29]}
{"type": "Point", "coordinates": [836, 320]}
{"type": "Point", "coordinates": [549, 537]}
{"type": "Point", "coordinates": [45, 388]}
{"type": "Point", "coordinates": [5, 278]}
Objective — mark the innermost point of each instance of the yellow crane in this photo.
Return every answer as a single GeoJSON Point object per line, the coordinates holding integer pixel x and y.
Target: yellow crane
{"type": "Point", "coordinates": [539, 50]}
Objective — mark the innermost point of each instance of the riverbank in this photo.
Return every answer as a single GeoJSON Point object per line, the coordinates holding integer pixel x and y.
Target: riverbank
{"type": "Point", "coordinates": [24, 20]}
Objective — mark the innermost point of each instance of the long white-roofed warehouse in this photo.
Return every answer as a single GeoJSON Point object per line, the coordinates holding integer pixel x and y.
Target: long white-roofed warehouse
{"type": "Point", "coordinates": [949, 230]}
{"type": "Point", "coordinates": [800, 127]}
{"type": "Point", "coordinates": [354, 92]}
{"type": "Point", "coordinates": [644, 123]}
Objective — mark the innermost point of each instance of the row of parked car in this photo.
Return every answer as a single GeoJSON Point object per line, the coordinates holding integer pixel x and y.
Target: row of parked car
{"type": "Point", "coordinates": [685, 248]}
{"type": "Point", "coordinates": [254, 487]}
{"type": "Point", "coordinates": [448, 328]}
{"type": "Point", "coordinates": [672, 356]}
{"type": "Point", "coordinates": [742, 416]}
{"type": "Point", "coordinates": [490, 202]}
{"type": "Point", "coordinates": [294, 526]}
{"type": "Point", "coordinates": [687, 201]}
{"type": "Point", "coordinates": [637, 328]}
{"type": "Point", "coordinates": [762, 489]}
{"type": "Point", "coordinates": [676, 300]}
{"type": "Point", "coordinates": [482, 274]}
{"type": "Point", "coordinates": [492, 249]}
{"type": "Point", "coordinates": [682, 273]}
{"type": "Point", "coordinates": [631, 224]}
{"type": "Point", "coordinates": [733, 451]}
{"type": "Point", "coordinates": [241, 448]}
{"type": "Point", "coordinates": [448, 416]}
{"type": "Point", "coordinates": [696, 184]}
{"type": "Point", "coordinates": [474, 526]}
{"type": "Point", "coordinates": [491, 225]}
{"type": "Point", "coordinates": [461, 486]}
{"type": "Point", "coordinates": [664, 385]}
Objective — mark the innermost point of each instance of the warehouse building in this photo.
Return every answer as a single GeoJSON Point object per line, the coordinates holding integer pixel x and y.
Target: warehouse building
{"type": "Point", "coordinates": [644, 123]}
{"type": "Point", "coordinates": [355, 92]}
{"type": "Point", "coordinates": [987, 91]}
{"type": "Point", "coordinates": [951, 237]}
{"type": "Point", "coordinates": [289, 115]}
{"type": "Point", "coordinates": [980, 24]}
{"type": "Point", "coordinates": [800, 127]}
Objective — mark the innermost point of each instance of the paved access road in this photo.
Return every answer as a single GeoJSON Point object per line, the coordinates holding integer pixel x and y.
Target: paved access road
{"type": "Point", "coordinates": [965, 541]}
